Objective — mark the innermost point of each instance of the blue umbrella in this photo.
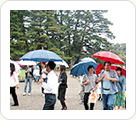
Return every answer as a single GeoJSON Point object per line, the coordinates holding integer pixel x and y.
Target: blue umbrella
{"type": "Point", "coordinates": [41, 55]}
{"type": "Point", "coordinates": [81, 68]}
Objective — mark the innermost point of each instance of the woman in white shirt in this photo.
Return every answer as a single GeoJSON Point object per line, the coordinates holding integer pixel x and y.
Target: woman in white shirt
{"type": "Point", "coordinates": [44, 74]}
{"type": "Point", "coordinates": [13, 84]}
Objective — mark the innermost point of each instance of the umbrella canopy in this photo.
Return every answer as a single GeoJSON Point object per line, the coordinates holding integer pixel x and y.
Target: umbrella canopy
{"type": "Point", "coordinates": [98, 69]}
{"type": "Point", "coordinates": [113, 67]}
{"type": "Point", "coordinates": [87, 59]}
{"type": "Point", "coordinates": [41, 55]}
{"type": "Point", "coordinates": [109, 56]}
{"type": "Point", "coordinates": [22, 63]}
{"type": "Point", "coordinates": [81, 68]}
{"type": "Point", "coordinates": [62, 63]}
{"type": "Point", "coordinates": [18, 63]}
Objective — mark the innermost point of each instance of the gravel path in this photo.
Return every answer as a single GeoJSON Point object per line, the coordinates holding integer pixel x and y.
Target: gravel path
{"type": "Point", "coordinates": [36, 100]}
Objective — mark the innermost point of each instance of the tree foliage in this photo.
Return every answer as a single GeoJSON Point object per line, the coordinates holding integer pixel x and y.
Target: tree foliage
{"type": "Point", "coordinates": [70, 34]}
{"type": "Point", "coordinates": [120, 50]}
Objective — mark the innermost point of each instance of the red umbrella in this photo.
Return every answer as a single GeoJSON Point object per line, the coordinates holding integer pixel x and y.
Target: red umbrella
{"type": "Point", "coordinates": [98, 69]}
{"type": "Point", "coordinates": [113, 67]}
{"type": "Point", "coordinates": [109, 56]}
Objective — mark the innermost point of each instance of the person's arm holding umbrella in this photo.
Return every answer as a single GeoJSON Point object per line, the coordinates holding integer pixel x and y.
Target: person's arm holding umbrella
{"type": "Point", "coordinates": [108, 78]}
{"type": "Point", "coordinates": [115, 78]}
{"type": "Point", "coordinates": [102, 76]}
{"type": "Point", "coordinates": [112, 79]}
{"type": "Point", "coordinates": [44, 71]}
{"type": "Point", "coordinates": [28, 69]}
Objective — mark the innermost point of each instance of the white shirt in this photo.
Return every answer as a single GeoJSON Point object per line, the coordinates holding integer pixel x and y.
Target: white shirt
{"type": "Point", "coordinates": [18, 71]}
{"type": "Point", "coordinates": [81, 79]}
{"type": "Point", "coordinates": [36, 71]}
{"type": "Point", "coordinates": [43, 74]}
{"type": "Point", "coordinates": [52, 83]}
{"type": "Point", "coordinates": [14, 79]}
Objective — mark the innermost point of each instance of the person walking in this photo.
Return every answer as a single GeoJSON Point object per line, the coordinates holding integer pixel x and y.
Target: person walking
{"type": "Point", "coordinates": [108, 86]}
{"type": "Point", "coordinates": [14, 84]}
{"type": "Point", "coordinates": [119, 99]}
{"type": "Point", "coordinates": [36, 73]}
{"type": "Point", "coordinates": [81, 92]}
{"type": "Point", "coordinates": [44, 74]}
{"type": "Point", "coordinates": [29, 76]}
{"type": "Point", "coordinates": [90, 83]}
{"type": "Point", "coordinates": [51, 87]}
{"type": "Point", "coordinates": [62, 87]}
{"type": "Point", "coordinates": [99, 87]}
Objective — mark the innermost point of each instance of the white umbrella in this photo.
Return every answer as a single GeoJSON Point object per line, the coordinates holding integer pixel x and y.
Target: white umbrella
{"type": "Point", "coordinates": [61, 63]}
{"type": "Point", "coordinates": [87, 59]}
{"type": "Point", "coordinates": [17, 67]}
{"type": "Point", "coordinates": [27, 62]}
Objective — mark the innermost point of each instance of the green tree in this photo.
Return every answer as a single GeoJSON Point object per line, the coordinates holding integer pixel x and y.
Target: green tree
{"type": "Point", "coordinates": [17, 41]}
{"type": "Point", "coordinates": [120, 50]}
{"type": "Point", "coordinates": [71, 34]}
{"type": "Point", "coordinates": [86, 32]}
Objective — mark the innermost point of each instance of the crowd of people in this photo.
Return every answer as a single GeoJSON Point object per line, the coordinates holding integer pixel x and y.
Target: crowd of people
{"type": "Point", "coordinates": [51, 84]}
{"type": "Point", "coordinates": [110, 85]}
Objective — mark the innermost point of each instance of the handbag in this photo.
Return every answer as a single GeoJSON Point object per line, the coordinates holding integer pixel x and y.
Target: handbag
{"type": "Point", "coordinates": [92, 97]}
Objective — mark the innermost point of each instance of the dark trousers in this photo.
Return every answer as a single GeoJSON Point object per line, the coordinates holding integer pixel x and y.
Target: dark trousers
{"type": "Point", "coordinates": [61, 97]}
{"type": "Point", "coordinates": [86, 96]}
{"type": "Point", "coordinates": [42, 90]}
{"type": "Point", "coordinates": [63, 104]}
{"type": "Point", "coordinates": [50, 100]}
{"type": "Point", "coordinates": [13, 93]}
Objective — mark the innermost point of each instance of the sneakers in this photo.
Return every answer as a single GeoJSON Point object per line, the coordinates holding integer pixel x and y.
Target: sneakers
{"type": "Point", "coordinates": [43, 95]}
{"type": "Point", "coordinates": [24, 94]}
{"type": "Point", "coordinates": [15, 105]}
{"type": "Point", "coordinates": [65, 108]}
{"type": "Point", "coordinates": [99, 99]}
{"type": "Point", "coordinates": [81, 102]}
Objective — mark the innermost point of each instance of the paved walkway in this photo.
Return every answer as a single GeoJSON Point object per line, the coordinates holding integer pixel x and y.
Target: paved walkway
{"type": "Point", "coordinates": [36, 100]}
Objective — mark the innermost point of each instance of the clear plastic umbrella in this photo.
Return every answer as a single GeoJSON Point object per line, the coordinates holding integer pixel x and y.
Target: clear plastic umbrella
{"type": "Point", "coordinates": [62, 63]}
{"type": "Point", "coordinates": [17, 67]}
{"type": "Point", "coordinates": [26, 62]}
{"type": "Point", "coordinates": [87, 59]}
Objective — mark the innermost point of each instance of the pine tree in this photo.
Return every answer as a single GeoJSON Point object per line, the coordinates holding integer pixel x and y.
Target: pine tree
{"type": "Point", "coordinates": [16, 45]}
{"type": "Point", "coordinates": [71, 34]}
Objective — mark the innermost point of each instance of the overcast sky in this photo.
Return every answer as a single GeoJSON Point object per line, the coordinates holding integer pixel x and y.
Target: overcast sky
{"type": "Point", "coordinates": [121, 21]}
